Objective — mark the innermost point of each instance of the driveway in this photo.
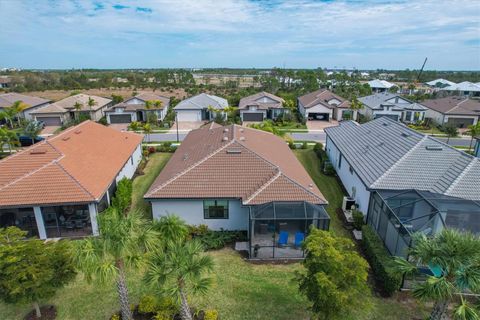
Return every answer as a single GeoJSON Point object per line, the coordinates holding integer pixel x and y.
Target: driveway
{"type": "Point", "coordinates": [49, 130]}
{"type": "Point", "coordinates": [186, 126]}
{"type": "Point", "coordinates": [119, 126]}
{"type": "Point", "coordinates": [320, 125]}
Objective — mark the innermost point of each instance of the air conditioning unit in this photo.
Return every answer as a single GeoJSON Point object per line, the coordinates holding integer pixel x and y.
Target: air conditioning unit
{"type": "Point", "coordinates": [347, 203]}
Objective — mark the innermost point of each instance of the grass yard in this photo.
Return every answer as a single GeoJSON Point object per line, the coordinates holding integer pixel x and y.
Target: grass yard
{"type": "Point", "coordinates": [142, 183]}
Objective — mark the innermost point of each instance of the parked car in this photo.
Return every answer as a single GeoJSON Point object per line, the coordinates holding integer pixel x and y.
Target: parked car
{"type": "Point", "coordinates": [27, 141]}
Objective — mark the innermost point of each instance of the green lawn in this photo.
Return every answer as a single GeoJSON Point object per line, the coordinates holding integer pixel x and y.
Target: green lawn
{"type": "Point", "coordinates": [142, 183]}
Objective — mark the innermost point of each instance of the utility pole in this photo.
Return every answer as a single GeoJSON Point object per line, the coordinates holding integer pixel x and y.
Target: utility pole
{"type": "Point", "coordinates": [176, 123]}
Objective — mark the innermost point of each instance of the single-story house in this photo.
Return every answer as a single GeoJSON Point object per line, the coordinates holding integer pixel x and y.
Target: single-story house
{"type": "Point", "coordinates": [51, 115]}
{"type": "Point", "coordinates": [5, 82]}
{"type": "Point", "coordinates": [378, 85]}
{"type": "Point", "coordinates": [325, 105]}
{"type": "Point", "coordinates": [457, 111]}
{"type": "Point", "coordinates": [261, 106]}
{"type": "Point", "coordinates": [32, 103]}
{"type": "Point", "coordinates": [440, 83]}
{"type": "Point", "coordinates": [134, 108]}
{"type": "Point", "coordinates": [56, 188]}
{"type": "Point", "coordinates": [394, 106]}
{"type": "Point", "coordinates": [236, 178]}
{"type": "Point", "coordinates": [74, 105]}
{"type": "Point", "coordinates": [196, 108]}
{"type": "Point", "coordinates": [466, 88]}
{"type": "Point", "coordinates": [405, 181]}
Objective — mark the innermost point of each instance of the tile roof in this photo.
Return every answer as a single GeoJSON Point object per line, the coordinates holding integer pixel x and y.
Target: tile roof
{"type": "Point", "coordinates": [322, 96]}
{"type": "Point", "coordinates": [7, 99]}
{"type": "Point", "coordinates": [388, 155]}
{"type": "Point", "coordinates": [69, 102]}
{"type": "Point", "coordinates": [77, 165]}
{"type": "Point", "coordinates": [454, 106]}
{"type": "Point", "coordinates": [382, 84]}
{"type": "Point", "coordinates": [51, 108]}
{"type": "Point", "coordinates": [377, 100]}
{"type": "Point", "coordinates": [463, 86]}
{"type": "Point", "coordinates": [235, 162]}
{"type": "Point", "coordinates": [441, 82]}
{"type": "Point", "coordinates": [129, 104]}
{"type": "Point", "coordinates": [253, 100]}
{"type": "Point", "coordinates": [202, 101]}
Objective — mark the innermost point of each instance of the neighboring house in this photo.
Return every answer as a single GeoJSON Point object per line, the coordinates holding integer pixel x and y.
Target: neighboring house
{"type": "Point", "coordinates": [466, 88]}
{"type": "Point", "coordinates": [440, 83]}
{"type": "Point", "coordinates": [5, 82]}
{"type": "Point", "coordinates": [405, 181]}
{"type": "Point", "coordinates": [55, 116]}
{"type": "Point", "coordinates": [32, 103]}
{"type": "Point", "coordinates": [325, 105]}
{"type": "Point", "coordinates": [56, 188]}
{"type": "Point", "coordinates": [134, 109]}
{"type": "Point", "coordinates": [457, 111]}
{"type": "Point", "coordinates": [196, 108]}
{"type": "Point", "coordinates": [392, 105]}
{"type": "Point", "coordinates": [261, 106]}
{"type": "Point", "coordinates": [380, 85]}
{"type": "Point", "coordinates": [237, 178]}
{"type": "Point", "coordinates": [51, 115]}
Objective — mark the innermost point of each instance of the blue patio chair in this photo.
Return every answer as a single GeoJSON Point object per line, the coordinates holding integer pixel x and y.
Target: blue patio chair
{"type": "Point", "coordinates": [299, 238]}
{"type": "Point", "coordinates": [283, 238]}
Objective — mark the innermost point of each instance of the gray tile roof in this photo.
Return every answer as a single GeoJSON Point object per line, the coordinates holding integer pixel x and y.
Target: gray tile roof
{"type": "Point", "coordinates": [375, 101]}
{"type": "Point", "coordinates": [256, 99]}
{"type": "Point", "coordinates": [454, 105]}
{"type": "Point", "coordinates": [202, 101]}
{"type": "Point", "coordinates": [7, 99]}
{"type": "Point", "coordinates": [388, 155]}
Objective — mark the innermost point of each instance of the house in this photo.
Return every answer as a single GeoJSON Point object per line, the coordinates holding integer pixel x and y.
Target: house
{"type": "Point", "coordinates": [394, 106]}
{"type": "Point", "coordinates": [5, 82]}
{"type": "Point", "coordinates": [72, 107]}
{"type": "Point", "coordinates": [380, 85]}
{"type": "Point", "coordinates": [466, 88]}
{"type": "Point", "coordinates": [456, 111]}
{"type": "Point", "coordinates": [198, 108]}
{"type": "Point", "coordinates": [134, 109]}
{"type": "Point", "coordinates": [237, 178]}
{"type": "Point", "coordinates": [405, 181]}
{"type": "Point", "coordinates": [325, 105]}
{"type": "Point", "coordinates": [261, 106]}
{"type": "Point", "coordinates": [32, 103]}
{"type": "Point", "coordinates": [56, 188]}
{"type": "Point", "coordinates": [440, 83]}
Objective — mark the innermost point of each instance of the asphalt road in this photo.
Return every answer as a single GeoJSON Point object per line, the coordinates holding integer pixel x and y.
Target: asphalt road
{"type": "Point", "coordinates": [317, 136]}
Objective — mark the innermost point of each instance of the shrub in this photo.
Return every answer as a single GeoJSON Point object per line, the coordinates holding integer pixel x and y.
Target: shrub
{"type": "Point", "coordinates": [292, 145]}
{"type": "Point", "coordinates": [358, 221]}
{"type": "Point", "coordinates": [162, 315]}
{"type": "Point", "coordinates": [148, 304]}
{"type": "Point", "coordinates": [103, 120]}
{"type": "Point", "coordinates": [304, 145]}
{"type": "Point", "coordinates": [212, 240]}
{"type": "Point", "coordinates": [210, 315]}
{"type": "Point", "coordinates": [199, 230]}
{"type": "Point", "coordinates": [166, 147]}
{"type": "Point", "coordinates": [328, 169]}
{"type": "Point", "coordinates": [380, 261]}
{"type": "Point", "coordinates": [123, 195]}
{"type": "Point", "coordinates": [115, 317]}
{"type": "Point", "coordinates": [167, 304]}
{"type": "Point", "coordinates": [151, 150]}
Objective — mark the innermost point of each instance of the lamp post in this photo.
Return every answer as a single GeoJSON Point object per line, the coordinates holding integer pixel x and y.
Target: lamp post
{"type": "Point", "coordinates": [176, 123]}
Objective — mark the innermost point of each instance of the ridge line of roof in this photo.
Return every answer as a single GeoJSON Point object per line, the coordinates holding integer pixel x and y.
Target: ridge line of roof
{"type": "Point", "coordinates": [75, 180]}
{"type": "Point", "coordinates": [307, 190]}
{"type": "Point", "coordinates": [399, 161]}
{"type": "Point", "coordinates": [263, 187]}
{"type": "Point", "coordinates": [460, 176]}
{"type": "Point", "coordinates": [188, 169]}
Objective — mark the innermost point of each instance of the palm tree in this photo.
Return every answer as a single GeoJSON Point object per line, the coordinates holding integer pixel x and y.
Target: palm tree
{"type": "Point", "coordinates": [473, 131]}
{"type": "Point", "coordinates": [180, 269]}
{"type": "Point", "coordinates": [457, 255]}
{"type": "Point", "coordinates": [10, 113]}
{"type": "Point", "coordinates": [171, 228]}
{"type": "Point", "coordinates": [134, 126]}
{"type": "Point", "coordinates": [211, 111]}
{"type": "Point", "coordinates": [32, 130]}
{"type": "Point", "coordinates": [78, 106]}
{"type": "Point", "coordinates": [147, 129]}
{"type": "Point", "coordinates": [91, 102]}
{"type": "Point", "coordinates": [451, 131]}
{"type": "Point", "coordinates": [124, 239]}
{"type": "Point", "coordinates": [355, 105]}
{"type": "Point", "coordinates": [9, 138]}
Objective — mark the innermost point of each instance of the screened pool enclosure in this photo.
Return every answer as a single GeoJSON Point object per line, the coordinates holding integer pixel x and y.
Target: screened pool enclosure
{"type": "Point", "coordinates": [277, 229]}
{"type": "Point", "coordinates": [397, 215]}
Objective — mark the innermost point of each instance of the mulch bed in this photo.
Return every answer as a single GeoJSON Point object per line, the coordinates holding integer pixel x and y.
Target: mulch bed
{"type": "Point", "coordinates": [48, 312]}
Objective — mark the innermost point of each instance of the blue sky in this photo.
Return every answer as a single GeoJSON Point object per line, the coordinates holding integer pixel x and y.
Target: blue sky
{"type": "Point", "coordinates": [226, 33]}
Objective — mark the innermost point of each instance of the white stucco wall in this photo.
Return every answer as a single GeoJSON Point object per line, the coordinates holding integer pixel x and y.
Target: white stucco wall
{"type": "Point", "coordinates": [192, 212]}
{"type": "Point", "coordinates": [131, 165]}
{"type": "Point", "coordinates": [349, 180]}
{"type": "Point", "coordinates": [27, 113]}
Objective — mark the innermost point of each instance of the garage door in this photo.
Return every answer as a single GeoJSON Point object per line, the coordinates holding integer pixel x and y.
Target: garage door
{"type": "Point", "coordinates": [391, 116]}
{"type": "Point", "coordinates": [50, 121]}
{"type": "Point", "coordinates": [318, 116]}
{"type": "Point", "coordinates": [120, 118]}
{"type": "Point", "coordinates": [253, 116]}
{"type": "Point", "coordinates": [460, 122]}
{"type": "Point", "coordinates": [189, 115]}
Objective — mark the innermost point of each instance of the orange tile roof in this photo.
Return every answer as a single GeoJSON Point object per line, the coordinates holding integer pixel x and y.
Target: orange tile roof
{"type": "Point", "coordinates": [77, 165]}
{"type": "Point", "coordinates": [235, 162]}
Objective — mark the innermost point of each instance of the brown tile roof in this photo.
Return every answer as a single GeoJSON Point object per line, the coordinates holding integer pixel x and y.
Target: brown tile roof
{"type": "Point", "coordinates": [7, 99]}
{"type": "Point", "coordinates": [147, 96]}
{"type": "Point", "coordinates": [235, 162]}
{"type": "Point", "coordinates": [69, 102]}
{"type": "Point", "coordinates": [322, 96]}
{"type": "Point", "coordinates": [150, 96]}
{"type": "Point", "coordinates": [252, 101]}
{"type": "Point", "coordinates": [454, 105]}
{"type": "Point", "coordinates": [51, 108]}
{"type": "Point", "coordinates": [77, 165]}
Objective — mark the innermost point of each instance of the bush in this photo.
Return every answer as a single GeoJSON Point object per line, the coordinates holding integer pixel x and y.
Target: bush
{"type": "Point", "coordinates": [328, 168]}
{"type": "Point", "coordinates": [210, 315]}
{"type": "Point", "coordinates": [358, 221]}
{"type": "Point", "coordinates": [380, 261]}
{"type": "Point", "coordinates": [162, 315]}
{"type": "Point", "coordinates": [304, 145]}
{"type": "Point", "coordinates": [115, 317]}
{"type": "Point", "coordinates": [151, 150]}
{"type": "Point", "coordinates": [123, 195]}
{"type": "Point", "coordinates": [212, 240]}
{"type": "Point", "coordinates": [103, 120]}
{"type": "Point", "coordinates": [148, 304]}
{"type": "Point", "coordinates": [166, 147]}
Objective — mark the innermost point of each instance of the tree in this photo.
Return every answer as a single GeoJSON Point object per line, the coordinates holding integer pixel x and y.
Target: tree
{"type": "Point", "coordinates": [78, 106]}
{"type": "Point", "coordinates": [32, 270]}
{"type": "Point", "coordinates": [91, 103]}
{"type": "Point", "coordinates": [116, 99]}
{"type": "Point", "coordinates": [355, 105]}
{"type": "Point", "coordinates": [171, 227]}
{"type": "Point", "coordinates": [457, 255]}
{"type": "Point", "coordinates": [123, 196]}
{"type": "Point", "coordinates": [451, 131]}
{"type": "Point", "coordinates": [473, 131]}
{"type": "Point", "coordinates": [124, 239]}
{"type": "Point", "coordinates": [335, 276]}
{"type": "Point", "coordinates": [10, 113]}
{"type": "Point", "coordinates": [180, 269]}
{"type": "Point", "coordinates": [147, 129]}
{"type": "Point", "coordinates": [32, 129]}
{"type": "Point", "coordinates": [9, 138]}
{"type": "Point", "coordinates": [135, 126]}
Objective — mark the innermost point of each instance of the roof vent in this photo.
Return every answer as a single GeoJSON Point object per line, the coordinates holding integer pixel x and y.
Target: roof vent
{"type": "Point", "coordinates": [234, 151]}
{"type": "Point", "coordinates": [241, 130]}
{"type": "Point", "coordinates": [385, 124]}
{"type": "Point", "coordinates": [78, 131]}
{"type": "Point", "coordinates": [185, 156]}
{"type": "Point", "coordinates": [66, 138]}
{"type": "Point", "coordinates": [38, 151]}
{"type": "Point", "coordinates": [435, 148]}
{"type": "Point", "coordinates": [406, 135]}
{"type": "Point", "coordinates": [242, 138]}
{"type": "Point", "coordinates": [225, 139]}
{"type": "Point", "coordinates": [310, 186]}
{"type": "Point", "coordinates": [225, 130]}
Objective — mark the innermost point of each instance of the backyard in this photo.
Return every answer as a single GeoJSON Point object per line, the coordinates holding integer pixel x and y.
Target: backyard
{"type": "Point", "coordinates": [241, 290]}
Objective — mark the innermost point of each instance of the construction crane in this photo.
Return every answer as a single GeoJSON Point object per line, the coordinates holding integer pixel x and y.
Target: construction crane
{"type": "Point", "coordinates": [421, 70]}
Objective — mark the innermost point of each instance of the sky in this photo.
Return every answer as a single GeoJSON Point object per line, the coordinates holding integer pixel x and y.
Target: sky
{"type": "Point", "coordinates": [382, 34]}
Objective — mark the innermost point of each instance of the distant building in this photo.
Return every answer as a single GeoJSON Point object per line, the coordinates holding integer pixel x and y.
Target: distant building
{"type": "Point", "coordinates": [196, 108]}
{"type": "Point", "coordinates": [32, 103]}
{"type": "Point", "coordinates": [134, 109]}
{"type": "Point", "coordinates": [440, 83]}
{"type": "Point", "coordinates": [324, 105]}
{"type": "Point", "coordinates": [5, 82]}
{"type": "Point", "coordinates": [380, 85]}
{"type": "Point", "coordinates": [261, 106]}
{"type": "Point", "coordinates": [456, 111]}
{"type": "Point", "coordinates": [466, 88]}
{"type": "Point", "coordinates": [393, 106]}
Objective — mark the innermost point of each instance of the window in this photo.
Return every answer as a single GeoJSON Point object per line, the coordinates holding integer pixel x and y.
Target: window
{"type": "Point", "coordinates": [215, 209]}
{"type": "Point", "coordinates": [340, 161]}
{"type": "Point", "coordinates": [131, 160]}
{"type": "Point", "coordinates": [408, 116]}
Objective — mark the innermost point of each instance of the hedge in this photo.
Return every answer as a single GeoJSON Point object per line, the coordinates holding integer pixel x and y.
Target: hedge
{"type": "Point", "coordinates": [380, 261]}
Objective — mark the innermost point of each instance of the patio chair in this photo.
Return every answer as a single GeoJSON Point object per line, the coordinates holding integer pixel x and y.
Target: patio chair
{"type": "Point", "coordinates": [299, 238]}
{"type": "Point", "coordinates": [283, 238]}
